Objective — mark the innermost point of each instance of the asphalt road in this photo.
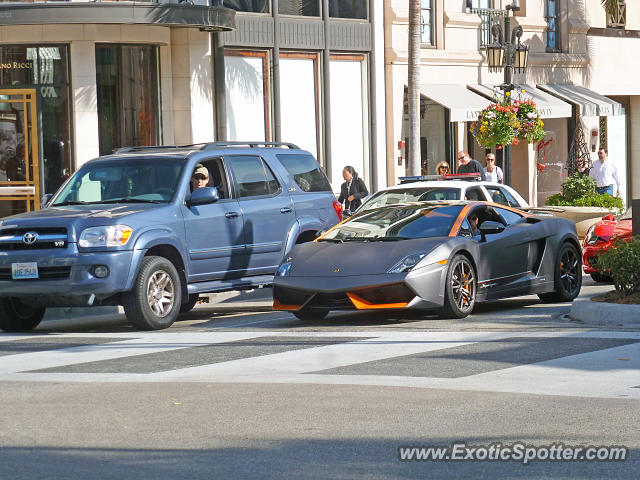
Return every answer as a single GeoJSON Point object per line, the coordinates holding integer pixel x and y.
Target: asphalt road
{"type": "Point", "coordinates": [236, 391]}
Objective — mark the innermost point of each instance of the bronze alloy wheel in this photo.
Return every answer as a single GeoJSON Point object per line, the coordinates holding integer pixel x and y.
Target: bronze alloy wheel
{"type": "Point", "coordinates": [460, 288]}
{"type": "Point", "coordinates": [463, 285]}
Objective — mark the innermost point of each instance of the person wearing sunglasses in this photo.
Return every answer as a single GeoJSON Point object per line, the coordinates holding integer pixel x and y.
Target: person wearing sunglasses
{"type": "Point", "coordinates": [200, 177]}
{"type": "Point", "coordinates": [469, 165]}
{"type": "Point", "coordinates": [442, 168]}
{"type": "Point", "coordinates": [492, 172]}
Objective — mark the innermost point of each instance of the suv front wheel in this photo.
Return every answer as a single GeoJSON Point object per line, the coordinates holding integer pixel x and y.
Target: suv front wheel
{"type": "Point", "coordinates": [17, 316]}
{"type": "Point", "coordinates": [154, 302]}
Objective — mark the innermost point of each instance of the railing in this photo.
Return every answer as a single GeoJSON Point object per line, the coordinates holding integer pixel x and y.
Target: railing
{"type": "Point", "coordinates": [489, 17]}
{"type": "Point", "coordinates": [618, 19]}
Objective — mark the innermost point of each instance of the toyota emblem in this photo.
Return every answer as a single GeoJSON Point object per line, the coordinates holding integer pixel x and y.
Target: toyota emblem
{"type": "Point", "coordinates": [30, 238]}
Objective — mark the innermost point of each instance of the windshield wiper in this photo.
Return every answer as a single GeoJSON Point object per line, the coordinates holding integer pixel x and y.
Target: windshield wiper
{"type": "Point", "coordinates": [386, 239]}
{"type": "Point", "coordinates": [131, 200]}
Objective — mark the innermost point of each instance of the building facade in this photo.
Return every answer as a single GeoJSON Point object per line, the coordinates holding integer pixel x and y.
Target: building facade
{"type": "Point", "coordinates": [569, 76]}
{"type": "Point", "coordinates": [81, 79]}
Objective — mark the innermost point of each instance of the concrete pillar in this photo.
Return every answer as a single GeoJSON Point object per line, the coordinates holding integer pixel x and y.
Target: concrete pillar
{"type": "Point", "coordinates": [85, 101]}
{"type": "Point", "coordinates": [192, 86]}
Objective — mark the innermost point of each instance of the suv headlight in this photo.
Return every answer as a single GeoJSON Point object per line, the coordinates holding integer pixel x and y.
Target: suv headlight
{"type": "Point", "coordinates": [407, 263]}
{"type": "Point", "coordinates": [111, 236]}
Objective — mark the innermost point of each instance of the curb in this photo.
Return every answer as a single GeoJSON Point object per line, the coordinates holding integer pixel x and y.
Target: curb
{"type": "Point", "coordinates": [604, 313]}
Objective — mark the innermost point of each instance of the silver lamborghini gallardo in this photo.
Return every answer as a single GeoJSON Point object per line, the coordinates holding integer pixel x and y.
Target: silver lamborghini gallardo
{"type": "Point", "coordinates": [431, 255]}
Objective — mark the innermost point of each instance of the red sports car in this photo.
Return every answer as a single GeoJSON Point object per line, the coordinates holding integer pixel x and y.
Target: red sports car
{"type": "Point", "coordinates": [600, 237]}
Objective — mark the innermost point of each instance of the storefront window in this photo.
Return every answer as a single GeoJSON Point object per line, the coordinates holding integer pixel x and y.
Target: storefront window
{"type": "Point", "coordinates": [47, 70]}
{"type": "Point", "coordinates": [253, 6]}
{"type": "Point", "coordinates": [348, 8]}
{"type": "Point", "coordinates": [127, 82]}
{"type": "Point", "coordinates": [305, 8]}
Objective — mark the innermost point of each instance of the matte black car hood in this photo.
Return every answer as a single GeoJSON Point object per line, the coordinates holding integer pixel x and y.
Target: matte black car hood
{"type": "Point", "coordinates": [356, 258]}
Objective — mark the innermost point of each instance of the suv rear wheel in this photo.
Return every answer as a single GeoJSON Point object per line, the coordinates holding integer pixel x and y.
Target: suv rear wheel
{"type": "Point", "coordinates": [154, 302]}
{"type": "Point", "coordinates": [16, 316]}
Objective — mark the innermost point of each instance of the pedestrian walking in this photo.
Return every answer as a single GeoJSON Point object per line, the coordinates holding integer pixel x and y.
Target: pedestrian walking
{"type": "Point", "coordinates": [492, 172]}
{"type": "Point", "coordinates": [605, 173]}
{"type": "Point", "coordinates": [469, 165]}
{"type": "Point", "coordinates": [353, 190]}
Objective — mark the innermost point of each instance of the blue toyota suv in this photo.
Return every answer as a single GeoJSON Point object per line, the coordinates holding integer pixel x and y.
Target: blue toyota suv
{"type": "Point", "coordinates": [150, 228]}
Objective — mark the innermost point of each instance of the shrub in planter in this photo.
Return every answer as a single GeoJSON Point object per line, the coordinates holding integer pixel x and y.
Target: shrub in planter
{"type": "Point", "coordinates": [580, 191]}
{"type": "Point", "coordinates": [622, 263]}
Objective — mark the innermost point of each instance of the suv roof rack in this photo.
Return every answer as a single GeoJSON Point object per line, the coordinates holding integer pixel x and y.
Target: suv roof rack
{"type": "Point", "coordinates": [471, 177]}
{"type": "Point", "coordinates": [206, 146]}
{"type": "Point", "coordinates": [197, 146]}
{"type": "Point", "coordinates": [214, 145]}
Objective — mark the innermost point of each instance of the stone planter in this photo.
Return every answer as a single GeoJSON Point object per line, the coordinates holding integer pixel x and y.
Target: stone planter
{"type": "Point", "coordinates": [583, 217]}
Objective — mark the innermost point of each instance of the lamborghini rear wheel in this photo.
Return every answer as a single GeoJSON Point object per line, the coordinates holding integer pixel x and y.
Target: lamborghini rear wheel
{"type": "Point", "coordinates": [568, 276]}
{"type": "Point", "coordinates": [460, 288]}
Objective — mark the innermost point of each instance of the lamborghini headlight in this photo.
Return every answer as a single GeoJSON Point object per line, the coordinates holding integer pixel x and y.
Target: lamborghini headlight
{"type": "Point", "coordinates": [407, 263]}
{"type": "Point", "coordinates": [284, 268]}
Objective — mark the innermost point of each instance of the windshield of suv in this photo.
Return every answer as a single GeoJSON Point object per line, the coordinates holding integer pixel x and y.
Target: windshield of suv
{"type": "Point", "coordinates": [408, 195]}
{"type": "Point", "coordinates": [135, 180]}
{"type": "Point", "coordinates": [397, 223]}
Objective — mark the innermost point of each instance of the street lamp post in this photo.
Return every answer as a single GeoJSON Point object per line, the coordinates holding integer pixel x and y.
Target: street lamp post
{"type": "Point", "coordinates": [509, 53]}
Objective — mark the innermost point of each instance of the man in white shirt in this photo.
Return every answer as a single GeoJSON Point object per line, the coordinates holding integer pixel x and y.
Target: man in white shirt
{"type": "Point", "coordinates": [605, 174]}
{"type": "Point", "coordinates": [492, 172]}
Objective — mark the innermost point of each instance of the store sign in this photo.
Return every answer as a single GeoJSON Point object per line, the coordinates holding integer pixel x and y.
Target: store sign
{"type": "Point", "coordinates": [16, 65]}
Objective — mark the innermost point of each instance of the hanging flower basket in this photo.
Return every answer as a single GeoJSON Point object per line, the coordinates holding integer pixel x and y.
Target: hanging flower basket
{"type": "Point", "coordinates": [503, 123]}
{"type": "Point", "coordinates": [530, 122]}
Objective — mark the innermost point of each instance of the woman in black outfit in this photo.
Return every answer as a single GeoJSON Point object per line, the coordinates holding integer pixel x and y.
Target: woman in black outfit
{"type": "Point", "coordinates": [353, 190]}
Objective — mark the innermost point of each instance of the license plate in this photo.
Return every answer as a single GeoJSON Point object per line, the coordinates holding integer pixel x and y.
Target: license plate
{"type": "Point", "coordinates": [21, 271]}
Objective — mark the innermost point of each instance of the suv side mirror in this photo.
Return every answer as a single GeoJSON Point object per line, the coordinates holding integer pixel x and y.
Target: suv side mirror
{"type": "Point", "coordinates": [44, 201]}
{"type": "Point", "coordinates": [203, 196]}
{"type": "Point", "coordinates": [489, 227]}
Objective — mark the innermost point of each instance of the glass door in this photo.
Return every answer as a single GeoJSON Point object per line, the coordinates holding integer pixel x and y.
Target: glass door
{"type": "Point", "coordinates": [19, 152]}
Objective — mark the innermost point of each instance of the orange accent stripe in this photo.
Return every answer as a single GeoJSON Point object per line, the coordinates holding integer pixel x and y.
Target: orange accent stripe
{"type": "Point", "coordinates": [332, 228]}
{"type": "Point", "coordinates": [463, 213]}
{"type": "Point", "coordinates": [362, 304]}
{"type": "Point", "coordinates": [279, 306]}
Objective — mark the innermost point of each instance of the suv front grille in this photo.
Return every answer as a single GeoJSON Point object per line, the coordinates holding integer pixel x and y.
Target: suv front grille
{"type": "Point", "coordinates": [44, 273]}
{"type": "Point", "coordinates": [46, 237]}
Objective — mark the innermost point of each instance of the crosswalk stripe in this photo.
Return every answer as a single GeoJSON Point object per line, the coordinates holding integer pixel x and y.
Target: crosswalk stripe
{"type": "Point", "coordinates": [608, 372]}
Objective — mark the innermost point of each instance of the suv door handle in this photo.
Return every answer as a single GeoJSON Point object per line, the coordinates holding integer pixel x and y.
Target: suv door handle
{"type": "Point", "coordinates": [285, 210]}
{"type": "Point", "coordinates": [231, 214]}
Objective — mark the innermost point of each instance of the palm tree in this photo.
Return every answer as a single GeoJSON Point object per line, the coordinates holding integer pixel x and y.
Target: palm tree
{"type": "Point", "coordinates": [413, 88]}
{"type": "Point", "coordinates": [610, 6]}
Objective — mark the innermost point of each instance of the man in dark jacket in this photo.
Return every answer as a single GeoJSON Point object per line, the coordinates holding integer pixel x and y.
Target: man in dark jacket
{"type": "Point", "coordinates": [469, 165]}
{"type": "Point", "coordinates": [353, 190]}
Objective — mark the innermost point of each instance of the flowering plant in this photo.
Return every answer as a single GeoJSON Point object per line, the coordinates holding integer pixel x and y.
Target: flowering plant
{"type": "Point", "coordinates": [497, 125]}
{"type": "Point", "coordinates": [503, 123]}
{"type": "Point", "coordinates": [530, 121]}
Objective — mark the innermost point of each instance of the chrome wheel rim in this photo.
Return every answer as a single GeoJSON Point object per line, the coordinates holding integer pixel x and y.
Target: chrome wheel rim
{"type": "Point", "coordinates": [569, 270]}
{"type": "Point", "coordinates": [160, 293]}
{"type": "Point", "coordinates": [463, 286]}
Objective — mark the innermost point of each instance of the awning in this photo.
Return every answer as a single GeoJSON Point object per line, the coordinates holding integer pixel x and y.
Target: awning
{"type": "Point", "coordinates": [588, 102]}
{"type": "Point", "coordinates": [463, 104]}
{"type": "Point", "coordinates": [548, 105]}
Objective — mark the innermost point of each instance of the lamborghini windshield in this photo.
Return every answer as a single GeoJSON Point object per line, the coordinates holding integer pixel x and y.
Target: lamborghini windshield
{"type": "Point", "coordinates": [408, 195]}
{"type": "Point", "coordinates": [397, 223]}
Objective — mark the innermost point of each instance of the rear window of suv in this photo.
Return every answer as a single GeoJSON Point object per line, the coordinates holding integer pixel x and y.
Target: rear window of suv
{"type": "Point", "coordinates": [306, 172]}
